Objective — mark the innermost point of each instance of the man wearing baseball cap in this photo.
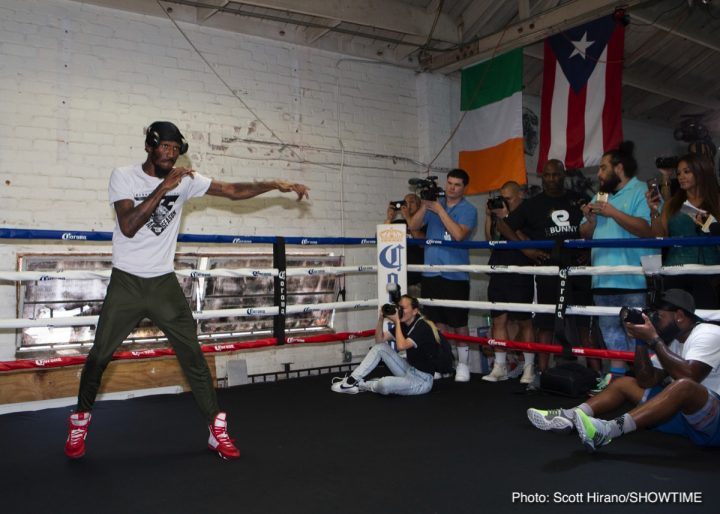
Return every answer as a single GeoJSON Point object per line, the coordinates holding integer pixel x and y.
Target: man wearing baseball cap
{"type": "Point", "coordinates": [676, 388]}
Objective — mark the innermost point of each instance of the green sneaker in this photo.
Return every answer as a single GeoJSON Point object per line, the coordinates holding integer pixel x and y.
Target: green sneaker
{"type": "Point", "coordinates": [554, 420]}
{"type": "Point", "coordinates": [593, 432]}
{"type": "Point", "coordinates": [602, 384]}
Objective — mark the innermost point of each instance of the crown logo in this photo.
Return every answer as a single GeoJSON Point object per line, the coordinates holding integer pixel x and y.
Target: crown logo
{"type": "Point", "coordinates": [392, 236]}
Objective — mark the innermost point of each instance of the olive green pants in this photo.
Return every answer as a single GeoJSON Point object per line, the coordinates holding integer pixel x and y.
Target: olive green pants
{"type": "Point", "coordinates": [129, 299]}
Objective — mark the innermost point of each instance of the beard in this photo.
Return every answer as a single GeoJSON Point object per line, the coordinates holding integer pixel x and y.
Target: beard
{"type": "Point", "coordinates": [610, 185]}
{"type": "Point", "coordinates": [162, 172]}
{"type": "Point", "coordinates": [669, 332]}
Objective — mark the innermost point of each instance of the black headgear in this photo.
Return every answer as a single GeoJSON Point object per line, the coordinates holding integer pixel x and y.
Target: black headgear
{"type": "Point", "coordinates": [165, 131]}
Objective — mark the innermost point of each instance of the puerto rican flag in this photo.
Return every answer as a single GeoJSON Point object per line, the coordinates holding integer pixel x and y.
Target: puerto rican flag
{"type": "Point", "coordinates": [581, 115]}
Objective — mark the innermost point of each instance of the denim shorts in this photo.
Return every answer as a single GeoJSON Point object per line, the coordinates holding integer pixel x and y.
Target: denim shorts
{"type": "Point", "coordinates": [701, 427]}
{"type": "Point", "coordinates": [611, 328]}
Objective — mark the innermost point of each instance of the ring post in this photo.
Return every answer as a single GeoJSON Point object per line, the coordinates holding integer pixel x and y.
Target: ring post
{"type": "Point", "coordinates": [280, 263]}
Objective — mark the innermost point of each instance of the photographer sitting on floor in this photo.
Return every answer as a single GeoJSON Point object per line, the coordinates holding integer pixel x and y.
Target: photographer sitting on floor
{"type": "Point", "coordinates": [412, 333]}
{"type": "Point", "coordinates": [686, 350]}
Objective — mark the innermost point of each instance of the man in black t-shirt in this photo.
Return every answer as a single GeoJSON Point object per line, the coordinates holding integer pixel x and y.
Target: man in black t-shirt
{"type": "Point", "coordinates": [509, 288]}
{"type": "Point", "coordinates": [553, 214]}
{"type": "Point", "coordinates": [411, 332]}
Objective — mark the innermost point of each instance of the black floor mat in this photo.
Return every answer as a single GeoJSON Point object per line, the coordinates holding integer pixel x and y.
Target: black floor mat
{"type": "Point", "coordinates": [463, 448]}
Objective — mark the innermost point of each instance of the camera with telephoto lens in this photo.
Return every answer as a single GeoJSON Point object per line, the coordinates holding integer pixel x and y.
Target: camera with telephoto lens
{"type": "Point", "coordinates": [427, 188]}
{"type": "Point", "coordinates": [398, 205]}
{"type": "Point", "coordinates": [667, 163]}
{"type": "Point", "coordinates": [496, 203]}
{"type": "Point", "coordinates": [389, 309]}
{"type": "Point", "coordinates": [633, 315]}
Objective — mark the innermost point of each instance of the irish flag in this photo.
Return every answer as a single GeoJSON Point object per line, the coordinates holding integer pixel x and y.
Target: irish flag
{"type": "Point", "coordinates": [490, 137]}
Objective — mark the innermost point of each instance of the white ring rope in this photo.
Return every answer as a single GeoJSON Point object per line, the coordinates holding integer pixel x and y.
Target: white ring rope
{"type": "Point", "coordinates": [78, 321]}
{"type": "Point", "coordinates": [694, 269]}
{"type": "Point", "coordinates": [30, 276]}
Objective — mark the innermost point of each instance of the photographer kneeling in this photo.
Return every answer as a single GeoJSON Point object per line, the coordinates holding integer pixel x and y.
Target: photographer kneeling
{"type": "Point", "coordinates": [676, 388]}
{"type": "Point", "coordinates": [411, 332]}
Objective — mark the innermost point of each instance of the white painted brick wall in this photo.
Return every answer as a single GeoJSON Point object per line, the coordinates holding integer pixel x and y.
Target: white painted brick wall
{"type": "Point", "coordinates": [79, 83]}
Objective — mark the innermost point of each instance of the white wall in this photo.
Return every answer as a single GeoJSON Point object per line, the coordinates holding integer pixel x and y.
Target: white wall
{"type": "Point", "coordinates": [79, 83]}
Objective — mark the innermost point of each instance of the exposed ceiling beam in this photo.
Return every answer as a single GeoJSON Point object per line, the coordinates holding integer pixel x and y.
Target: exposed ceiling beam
{"type": "Point", "coordinates": [383, 14]}
{"type": "Point", "coordinates": [203, 13]}
{"type": "Point", "coordinates": [695, 36]}
{"type": "Point", "coordinates": [312, 34]}
{"type": "Point", "coordinates": [526, 32]}
{"type": "Point", "coordinates": [523, 9]}
{"type": "Point", "coordinates": [639, 81]}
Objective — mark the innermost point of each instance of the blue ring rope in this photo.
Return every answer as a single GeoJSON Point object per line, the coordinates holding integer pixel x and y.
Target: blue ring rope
{"type": "Point", "coordinates": [79, 235]}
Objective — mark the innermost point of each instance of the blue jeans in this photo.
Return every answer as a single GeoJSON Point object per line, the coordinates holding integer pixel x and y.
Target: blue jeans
{"type": "Point", "coordinates": [406, 380]}
{"type": "Point", "coordinates": [611, 328]}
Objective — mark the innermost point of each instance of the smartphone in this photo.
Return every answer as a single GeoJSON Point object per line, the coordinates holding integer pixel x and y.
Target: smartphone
{"type": "Point", "coordinates": [654, 187]}
{"type": "Point", "coordinates": [602, 197]}
{"type": "Point", "coordinates": [398, 205]}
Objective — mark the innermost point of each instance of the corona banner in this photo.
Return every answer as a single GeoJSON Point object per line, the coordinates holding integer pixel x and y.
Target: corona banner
{"type": "Point", "coordinates": [391, 260]}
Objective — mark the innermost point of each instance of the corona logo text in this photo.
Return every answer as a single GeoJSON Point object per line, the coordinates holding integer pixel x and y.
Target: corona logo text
{"type": "Point", "coordinates": [74, 237]}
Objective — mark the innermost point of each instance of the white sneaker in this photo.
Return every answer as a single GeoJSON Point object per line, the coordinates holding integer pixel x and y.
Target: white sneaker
{"type": "Point", "coordinates": [498, 373]}
{"type": "Point", "coordinates": [528, 374]}
{"type": "Point", "coordinates": [340, 385]}
{"type": "Point", "coordinates": [462, 373]}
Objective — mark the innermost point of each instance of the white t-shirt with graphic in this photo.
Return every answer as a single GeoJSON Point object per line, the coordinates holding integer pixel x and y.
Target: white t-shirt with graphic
{"type": "Point", "coordinates": [703, 345]}
{"type": "Point", "coordinates": [151, 252]}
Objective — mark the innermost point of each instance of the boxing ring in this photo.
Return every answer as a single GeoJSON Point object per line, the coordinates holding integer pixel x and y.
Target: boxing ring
{"type": "Point", "coordinates": [280, 275]}
{"type": "Point", "coordinates": [462, 448]}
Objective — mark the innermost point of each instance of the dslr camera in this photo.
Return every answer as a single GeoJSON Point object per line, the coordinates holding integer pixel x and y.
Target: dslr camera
{"type": "Point", "coordinates": [496, 203]}
{"type": "Point", "coordinates": [389, 309]}
{"type": "Point", "coordinates": [398, 205]}
{"type": "Point", "coordinates": [427, 188]}
{"type": "Point", "coordinates": [668, 162]}
{"type": "Point", "coordinates": [633, 315]}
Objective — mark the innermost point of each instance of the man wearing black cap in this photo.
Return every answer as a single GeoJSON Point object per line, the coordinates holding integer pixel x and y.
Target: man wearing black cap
{"type": "Point", "coordinates": [686, 354]}
{"type": "Point", "coordinates": [148, 200]}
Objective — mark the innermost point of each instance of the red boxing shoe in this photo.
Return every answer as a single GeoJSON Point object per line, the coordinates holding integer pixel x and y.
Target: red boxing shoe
{"type": "Point", "coordinates": [78, 422]}
{"type": "Point", "coordinates": [219, 440]}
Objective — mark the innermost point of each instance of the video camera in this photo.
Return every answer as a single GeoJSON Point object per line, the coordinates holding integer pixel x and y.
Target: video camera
{"type": "Point", "coordinates": [670, 162]}
{"type": "Point", "coordinates": [427, 188]}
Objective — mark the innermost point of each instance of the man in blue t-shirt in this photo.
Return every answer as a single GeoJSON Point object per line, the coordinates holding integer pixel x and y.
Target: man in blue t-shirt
{"type": "Point", "coordinates": [452, 218]}
{"type": "Point", "coordinates": [618, 211]}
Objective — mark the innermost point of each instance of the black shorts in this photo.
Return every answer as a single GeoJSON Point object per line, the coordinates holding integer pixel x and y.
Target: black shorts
{"type": "Point", "coordinates": [511, 288]}
{"type": "Point", "coordinates": [439, 288]}
{"type": "Point", "coordinates": [579, 293]}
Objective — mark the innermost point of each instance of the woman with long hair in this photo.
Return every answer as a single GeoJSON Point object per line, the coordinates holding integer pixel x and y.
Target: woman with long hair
{"type": "Point", "coordinates": [698, 187]}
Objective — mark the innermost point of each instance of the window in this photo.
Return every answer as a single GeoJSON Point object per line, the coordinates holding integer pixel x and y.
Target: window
{"type": "Point", "coordinates": [69, 298]}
